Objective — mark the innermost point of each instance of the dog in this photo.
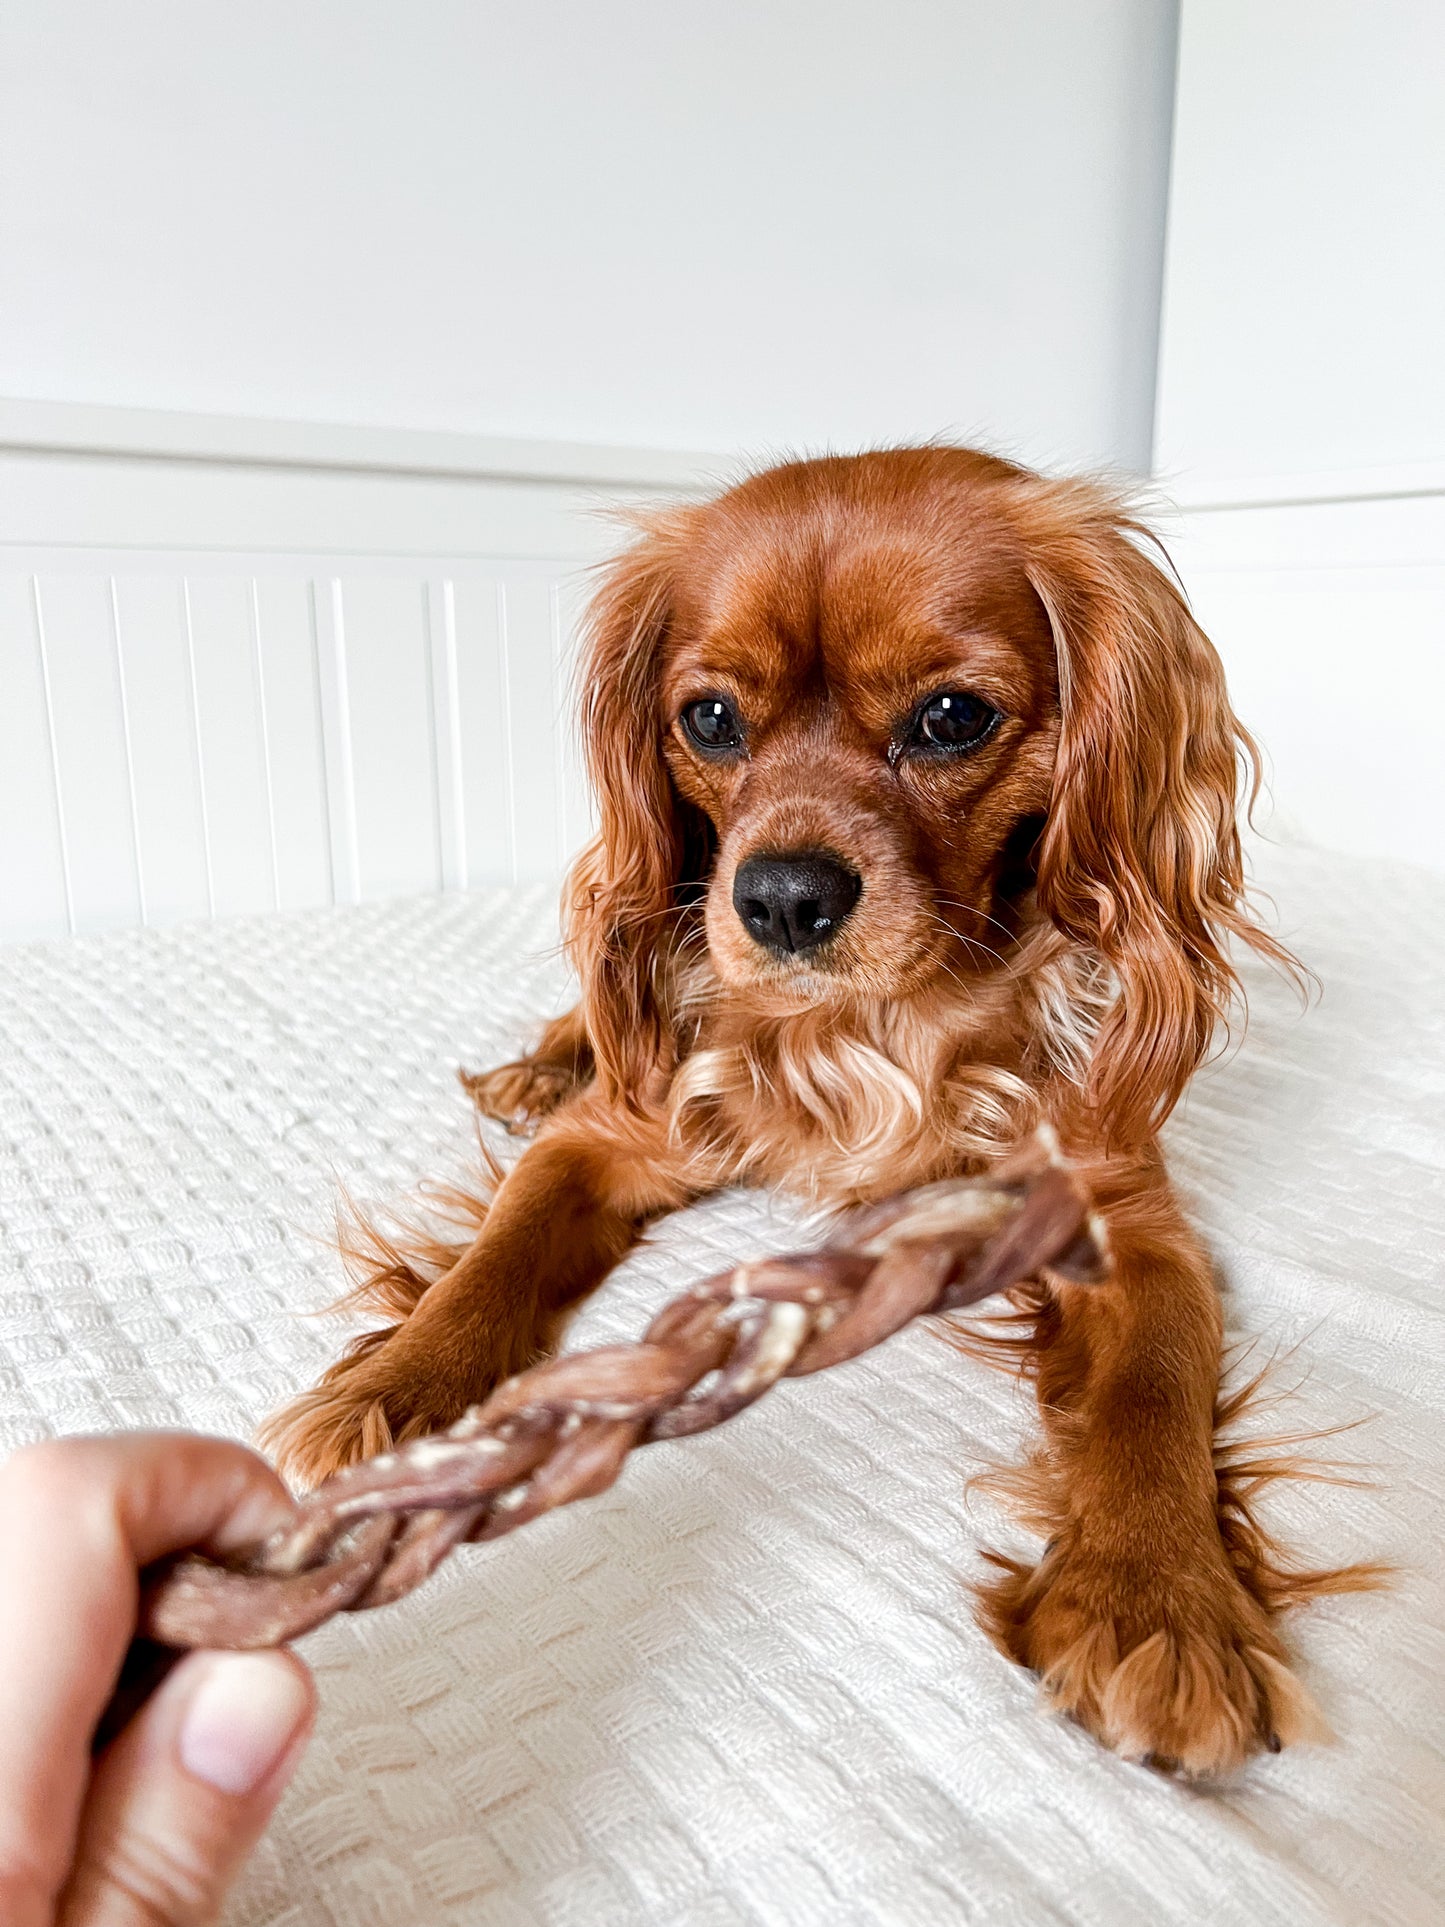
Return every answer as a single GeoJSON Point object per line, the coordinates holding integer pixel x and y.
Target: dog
{"type": "Point", "coordinates": [918, 791]}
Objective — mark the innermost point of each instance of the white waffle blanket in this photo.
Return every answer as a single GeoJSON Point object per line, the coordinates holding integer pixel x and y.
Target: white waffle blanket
{"type": "Point", "coordinates": [745, 1685]}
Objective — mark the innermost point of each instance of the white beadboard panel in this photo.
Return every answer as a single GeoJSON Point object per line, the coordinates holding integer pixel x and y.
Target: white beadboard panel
{"type": "Point", "coordinates": [153, 646]}
{"type": "Point", "coordinates": [33, 897]}
{"type": "Point", "coordinates": [283, 666]}
{"type": "Point", "coordinates": [531, 654]}
{"type": "Point", "coordinates": [283, 611]}
{"type": "Point", "coordinates": [233, 744]}
{"type": "Point", "coordinates": [481, 739]}
{"type": "Point", "coordinates": [92, 759]}
{"type": "Point", "coordinates": [384, 665]}
{"type": "Point", "coordinates": [228, 742]}
{"type": "Point", "coordinates": [579, 814]}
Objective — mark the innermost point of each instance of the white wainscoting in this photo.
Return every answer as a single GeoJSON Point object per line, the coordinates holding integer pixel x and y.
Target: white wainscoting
{"type": "Point", "coordinates": [250, 667]}
{"type": "Point", "coordinates": [1330, 617]}
{"type": "Point", "coordinates": [196, 735]}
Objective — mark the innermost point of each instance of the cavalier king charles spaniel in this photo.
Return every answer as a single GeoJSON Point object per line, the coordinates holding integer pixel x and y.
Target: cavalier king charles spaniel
{"type": "Point", "coordinates": [918, 790]}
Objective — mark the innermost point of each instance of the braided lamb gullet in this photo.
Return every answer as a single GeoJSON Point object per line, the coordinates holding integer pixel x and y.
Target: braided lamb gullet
{"type": "Point", "coordinates": [562, 1431]}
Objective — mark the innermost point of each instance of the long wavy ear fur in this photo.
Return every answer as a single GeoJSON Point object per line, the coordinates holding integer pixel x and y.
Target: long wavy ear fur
{"type": "Point", "coordinates": [1140, 857]}
{"type": "Point", "coordinates": [649, 844]}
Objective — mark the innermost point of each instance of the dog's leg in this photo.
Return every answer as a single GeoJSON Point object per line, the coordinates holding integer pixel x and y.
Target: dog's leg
{"type": "Point", "coordinates": [560, 1221]}
{"type": "Point", "coordinates": [1140, 1622]}
{"type": "Point", "coordinates": [530, 1088]}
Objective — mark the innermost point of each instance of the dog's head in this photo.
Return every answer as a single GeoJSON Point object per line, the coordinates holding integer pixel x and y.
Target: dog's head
{"type": "Point", "coordinates": [882, 712]}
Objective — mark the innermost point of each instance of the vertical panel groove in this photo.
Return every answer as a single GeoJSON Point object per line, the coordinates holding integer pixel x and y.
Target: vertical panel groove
{"type": "Point", "coordinates": [200, 753]}
{"type": "Point", "coordinates": [454, 701]}
{"type": "Point", "coordinates": [343, 717]}
{"type": "Point", "coordinates": [54, 754]}
{"type": "Point", "coordinates": [505, 660]}
{"type": "Point", "coordinates": [140, 875]}
{"type": "Point", "coordinates": [433, 747]}
{"type": "Point", "coordinates": [559, 718]}
{"type": "Point", "coordinates": [265, 742]}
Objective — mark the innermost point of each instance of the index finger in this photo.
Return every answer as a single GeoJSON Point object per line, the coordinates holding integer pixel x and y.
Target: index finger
{"type": "Point", "coordinates": [78, 1518]}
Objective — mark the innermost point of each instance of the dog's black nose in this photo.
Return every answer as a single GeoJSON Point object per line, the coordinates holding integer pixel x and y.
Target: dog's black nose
{"type": "Point", "coordinates": [794, 902]}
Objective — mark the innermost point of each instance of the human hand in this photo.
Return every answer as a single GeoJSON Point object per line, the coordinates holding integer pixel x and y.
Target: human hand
{"type": "Point", "coordinates": [152, 1832]}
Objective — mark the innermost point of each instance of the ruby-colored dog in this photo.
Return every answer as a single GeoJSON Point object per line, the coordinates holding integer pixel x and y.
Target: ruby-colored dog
{"type": "Point", "coordinates": [918, 789]}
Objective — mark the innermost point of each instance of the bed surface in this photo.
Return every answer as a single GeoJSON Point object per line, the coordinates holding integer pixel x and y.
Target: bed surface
{"type": "Point", "coordinates": [744, 1685]}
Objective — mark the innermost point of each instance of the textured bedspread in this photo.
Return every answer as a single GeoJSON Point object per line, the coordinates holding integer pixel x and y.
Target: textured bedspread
{"type": "Point", "coordinates": [745, 1685]}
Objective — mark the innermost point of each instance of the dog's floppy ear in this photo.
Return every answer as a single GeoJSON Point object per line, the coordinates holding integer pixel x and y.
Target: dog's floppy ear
{"type": "Point", "coordinates": [633, 874]}
{"type": "Point", "coordinates": [1140, 856]}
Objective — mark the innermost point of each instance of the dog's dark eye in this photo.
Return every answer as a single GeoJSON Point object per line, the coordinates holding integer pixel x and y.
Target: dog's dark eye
{"type": "Point", "coordinates": [713, 724]}
{"type": "Point", "coordinates": [953, 720]}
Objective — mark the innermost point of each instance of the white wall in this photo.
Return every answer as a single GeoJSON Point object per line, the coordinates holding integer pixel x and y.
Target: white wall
{"type": "Point", "coordinates": [1304, 334]}
{"type": "Point", "coordinates": [752, 225]}
{"type": "Point", "coordinates": [1302, 397]}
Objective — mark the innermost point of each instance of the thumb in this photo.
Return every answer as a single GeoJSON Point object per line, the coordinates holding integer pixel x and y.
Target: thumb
{"type": "Point", "coordinates": [184, 1793]}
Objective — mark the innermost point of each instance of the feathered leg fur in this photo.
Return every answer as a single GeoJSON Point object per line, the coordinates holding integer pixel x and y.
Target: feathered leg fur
{"type": "Point", "coordinates": [471, 1315]}
{"type": "Point", "coordinates": [1151, 1618]}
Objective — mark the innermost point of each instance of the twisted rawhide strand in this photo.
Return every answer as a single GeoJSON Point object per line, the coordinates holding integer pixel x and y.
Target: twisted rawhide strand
{"type": "Point", "coordinates": [563, 1430]}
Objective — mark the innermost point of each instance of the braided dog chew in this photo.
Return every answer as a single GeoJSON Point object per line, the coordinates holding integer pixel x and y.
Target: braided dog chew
{"type": "Point", "coordinates": [563, 1430]}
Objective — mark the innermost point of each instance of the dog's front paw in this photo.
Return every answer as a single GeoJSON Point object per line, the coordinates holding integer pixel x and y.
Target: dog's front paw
{"type": "Point", "coordinates": [365, 1403]}
{"type": "Point", "coordinates": [1168, 1660]}
{"type": "Point", "coordinates": [521, 1094]}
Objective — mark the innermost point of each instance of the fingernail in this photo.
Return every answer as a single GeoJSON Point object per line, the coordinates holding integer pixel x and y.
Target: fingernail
{"type": "Point", "coordinates": [243, 1716]}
